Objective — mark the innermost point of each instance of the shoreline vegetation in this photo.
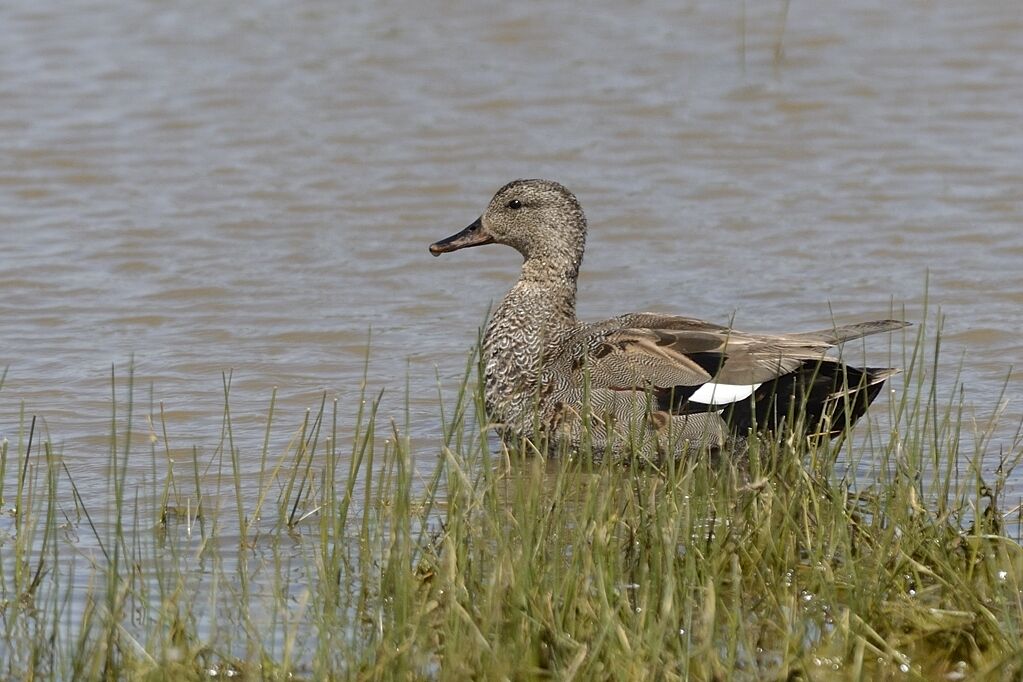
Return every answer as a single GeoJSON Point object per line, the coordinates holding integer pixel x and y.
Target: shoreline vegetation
{"type": "Point", "coordinates": [341, 559]}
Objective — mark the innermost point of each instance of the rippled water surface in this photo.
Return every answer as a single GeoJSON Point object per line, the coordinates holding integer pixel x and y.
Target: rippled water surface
{"type": "Point", "coordinates": [251, 187]}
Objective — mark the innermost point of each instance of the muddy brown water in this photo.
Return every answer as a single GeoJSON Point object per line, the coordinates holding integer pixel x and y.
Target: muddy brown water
{"type": "Point", "coordinates": [251, 187]}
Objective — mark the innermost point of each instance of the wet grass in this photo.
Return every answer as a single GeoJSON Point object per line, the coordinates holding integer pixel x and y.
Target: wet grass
{"type": "Point", "coordinates": [353, 553]}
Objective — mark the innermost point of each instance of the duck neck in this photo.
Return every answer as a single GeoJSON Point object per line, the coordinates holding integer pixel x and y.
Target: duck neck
{"type": "Point", "coordinates": [550, 270]}
{"type": "Point", "coordinates": [551, 288]}
{"type": "Point", "coordinates": [525, 329]}
{"type": "Point", "coordinates": [535, 311]}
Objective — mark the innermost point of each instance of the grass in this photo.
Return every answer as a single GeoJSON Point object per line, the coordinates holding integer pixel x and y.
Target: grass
{"type": "Point", "coordinates": [353, 553]}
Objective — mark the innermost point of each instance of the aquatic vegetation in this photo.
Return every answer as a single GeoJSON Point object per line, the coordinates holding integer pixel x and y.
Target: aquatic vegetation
{"type": "Point", "coordinates": [356, 552]}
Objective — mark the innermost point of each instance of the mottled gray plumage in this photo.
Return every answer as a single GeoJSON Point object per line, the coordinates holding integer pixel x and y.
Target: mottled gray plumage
{"type": "Point", "coordinates": [631, 383]}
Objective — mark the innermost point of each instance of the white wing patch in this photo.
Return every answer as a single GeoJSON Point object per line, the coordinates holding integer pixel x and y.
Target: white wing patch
{"type": "Point", "coordinates": [722, 394]}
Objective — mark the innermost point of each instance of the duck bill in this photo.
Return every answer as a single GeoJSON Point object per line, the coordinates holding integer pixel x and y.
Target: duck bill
{"type": "Point", "coordinates": [470, 236]}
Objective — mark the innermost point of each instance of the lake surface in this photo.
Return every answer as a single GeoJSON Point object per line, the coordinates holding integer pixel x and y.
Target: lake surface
{"type": "Point", "coordinates": [251, 187]}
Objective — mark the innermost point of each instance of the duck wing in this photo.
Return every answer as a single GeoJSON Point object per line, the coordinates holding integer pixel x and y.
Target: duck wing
{"type": "Point", "coordinates": [665, 352]}
{"type": "Point", "coordinates": [836, 336]}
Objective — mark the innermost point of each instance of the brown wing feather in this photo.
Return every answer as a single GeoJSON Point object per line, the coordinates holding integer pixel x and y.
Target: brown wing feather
{"type": "Point", "coordinates": [836, 336]}
{"type": "Point", "coordinates": [633, 357]}
{"type": "Point", "coordinates": [666, 351]}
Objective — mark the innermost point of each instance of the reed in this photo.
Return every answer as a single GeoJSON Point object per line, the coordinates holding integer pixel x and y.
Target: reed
{"type": "Point", "coordinates": [355, 552]}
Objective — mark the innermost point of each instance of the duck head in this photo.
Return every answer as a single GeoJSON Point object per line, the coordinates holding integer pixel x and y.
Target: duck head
{"type": "Point", "coordinates": [538, 218]}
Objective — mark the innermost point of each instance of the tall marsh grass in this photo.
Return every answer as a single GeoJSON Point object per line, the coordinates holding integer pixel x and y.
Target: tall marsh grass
{"type": "Point", "coordinates": [356, 553]}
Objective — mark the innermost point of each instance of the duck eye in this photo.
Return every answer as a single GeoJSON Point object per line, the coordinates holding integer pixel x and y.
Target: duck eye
{"type": "Point", "coordinates": [514, 204]}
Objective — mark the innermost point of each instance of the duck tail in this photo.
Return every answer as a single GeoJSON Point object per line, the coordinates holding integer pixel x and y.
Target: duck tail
{"type": "Point", "coordinates": [821, 398]}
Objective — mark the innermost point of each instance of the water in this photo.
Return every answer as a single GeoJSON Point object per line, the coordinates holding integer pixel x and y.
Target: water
{"type": "Point", "coordinates": [251, 187]}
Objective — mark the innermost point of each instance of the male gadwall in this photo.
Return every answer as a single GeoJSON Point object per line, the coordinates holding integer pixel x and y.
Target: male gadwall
{"type": "Point", "coordinates": [645, 383]}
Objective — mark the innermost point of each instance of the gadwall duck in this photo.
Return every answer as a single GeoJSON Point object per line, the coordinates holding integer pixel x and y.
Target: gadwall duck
{"type": "Point", "coordinates": [643, 383]}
